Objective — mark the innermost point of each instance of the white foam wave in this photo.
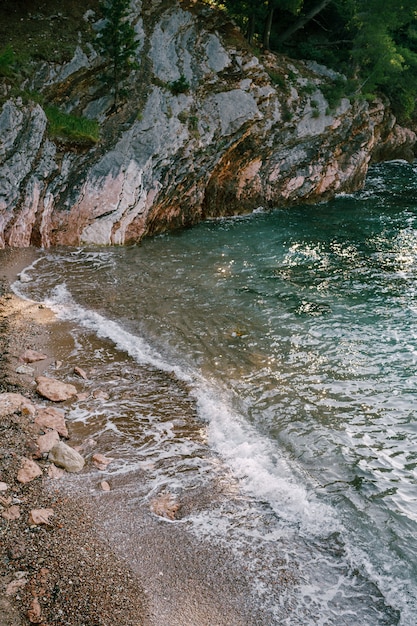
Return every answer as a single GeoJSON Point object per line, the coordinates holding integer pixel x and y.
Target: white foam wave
{"type": "Point", "coordinates": [261, 468]}
{"type": "Point", "coordinates": [62, 304]}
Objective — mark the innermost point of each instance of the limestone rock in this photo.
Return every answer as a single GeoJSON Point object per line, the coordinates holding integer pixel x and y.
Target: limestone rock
{"type": "Point", "coordinates": [40, 516]}
{"type": "Point", "coordinates": [55, 472]}
{"type": "Point", "coordinates": [80, 372]}
{"type": "Point", "coordinates": [54, 389]}
{"type": "Point", "coordinates": [35, 613]}
{"type": "Point", "coordinates": [233, 141]}
{"type": "Point", "coordinates": [14, 402]}
{"type": "Point", "coordinates": [47, 441]}
{"type": "Point", "coordinates": [53, 418]}
{"type": "Point", "coordinates": [15, 586]}
{"type": "Point", "coordinates": [12, 513]}
{"type": "Point", "coordinates": [25, 369]}
{"type": "Point", "coordinates": [29, 471]}
{"type": "Point", "coordinates": [3, 486]}
{"type": "Point", "coordinates": [31, 356]}
{"type": "Point", "coordinates": [66, 457]}
{"type": "Point", "coordinates": [101, 461]}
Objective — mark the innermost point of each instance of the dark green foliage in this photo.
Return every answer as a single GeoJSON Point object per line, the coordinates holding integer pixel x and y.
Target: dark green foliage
{"type": "Point", "coordinates": [179, 86]}
{"type": "Point", "coordinates": [373, 42]}
{"type": "Point", "coordinates": [335, 91]}
{"type": "Point", "coordinates": [7, 60]}
{"type": "Point", "coordinates": [117, 43]}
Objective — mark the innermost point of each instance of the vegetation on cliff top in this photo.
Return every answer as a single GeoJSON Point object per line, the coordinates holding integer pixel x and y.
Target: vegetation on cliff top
{"type": "Point", "coordinates": [373, 43]}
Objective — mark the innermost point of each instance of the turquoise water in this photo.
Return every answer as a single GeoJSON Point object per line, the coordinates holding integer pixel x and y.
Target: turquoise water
{"type": "Point", "coordinates": [296, 331]}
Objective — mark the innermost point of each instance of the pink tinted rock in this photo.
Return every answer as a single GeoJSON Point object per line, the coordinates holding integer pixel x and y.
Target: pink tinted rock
{"type": "Point", "coordinates": [40, 516]}
{"type": "Point", "coordinates": [31, 356]}
{"type": "Point", "coordinates": [12, 513]}
{"type": "Point", "coordinates": [47, 441]}
{"type": "Point", "coordinates": [55, 472]}
{"type": "Point", "coordinates": [29, 471]}
{"type": "Point", "coordinates": [80, 372]}
{"type": "Point", "coordinates": [100, 461]}
{"type": "Point", "coordinates": [54, 389]}
{"type": "Point", "coordinates": [53, 418]}
{"type": "Point", "coordinates": [14, 402]}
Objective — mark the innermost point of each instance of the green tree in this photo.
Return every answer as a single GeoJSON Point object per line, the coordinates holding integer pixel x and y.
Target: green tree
{"type": "Point", "coordinates": [117, 43]}
{"type": "Point", "coordinates": [373, 42]}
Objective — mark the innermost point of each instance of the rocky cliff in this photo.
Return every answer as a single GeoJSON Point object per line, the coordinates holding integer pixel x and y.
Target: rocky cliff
{"type": "Point", "coordinates": [243, 132]}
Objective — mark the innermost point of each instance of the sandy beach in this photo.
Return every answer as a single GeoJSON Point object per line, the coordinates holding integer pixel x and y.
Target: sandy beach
{"type": "Point", "coordinates": [105, 557]}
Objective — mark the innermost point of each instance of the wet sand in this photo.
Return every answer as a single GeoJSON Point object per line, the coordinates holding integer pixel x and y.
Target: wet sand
{"type": "Point", "coordinates": [156, 567]}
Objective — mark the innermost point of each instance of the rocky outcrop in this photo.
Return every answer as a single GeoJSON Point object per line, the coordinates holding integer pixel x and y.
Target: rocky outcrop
{"type": "Point", "coordinates": [239, 134]}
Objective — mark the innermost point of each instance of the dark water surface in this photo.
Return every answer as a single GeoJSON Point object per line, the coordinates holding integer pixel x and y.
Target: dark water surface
{"type": "Point", "coordinates": [295, 335]}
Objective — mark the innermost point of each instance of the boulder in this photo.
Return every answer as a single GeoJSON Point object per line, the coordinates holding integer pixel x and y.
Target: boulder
{"type": "Point", "coordinates": [13, 403]}
{"type": "Point", "coordinates": [12, 513]}
{"type": "Point", "coordinates": [66, 457]}
{"type": "Point", "coordinates": [31, 356]}
{"type": "Point", "coordinates": [29, 471]}
{"type": "Point", "coordinates": [47, 441]}
{"type": "Point", "coordinates": [25, 369]}
{"type": "Point", "coordinates": [53, 418]}
{"type": "Point", "coordinates": [55, 472]}
{"type": "Point", "coordinates": [54, 389]}
{"type": "Point", "coordinates": [40, 516]}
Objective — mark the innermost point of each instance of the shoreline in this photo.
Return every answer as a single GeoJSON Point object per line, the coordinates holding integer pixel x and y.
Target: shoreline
{"type": "Point", "coordinates": [144, 570]}
{"type": "Point", "coordinates": [63, 572]}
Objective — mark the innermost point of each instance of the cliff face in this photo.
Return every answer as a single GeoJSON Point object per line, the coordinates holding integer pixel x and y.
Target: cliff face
{"type": "Point", "coordinates": [232, 141]}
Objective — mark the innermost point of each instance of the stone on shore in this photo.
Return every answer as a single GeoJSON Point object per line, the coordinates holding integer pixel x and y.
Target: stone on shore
{"type": "Point", "coordinates": [40, 516]}
{"type": "Point", "coordinates": [55, 472]}
{"type": "Point", "coordinates": [3, 486]}
{"type": "Point", "coordinates": [35, 613]}
{"type": "Point", "coordinates": [29, 471]}
{"type": "Point", "coordinates": [54, 389]}
{"type": "Point", "coordinates": [15, 586]}
{"type": "Point", "coordinates": [25, 369]}
{"type": "Point", "coordinates": [52, 418]}
{"type": "Point", "coordinates": [66, 457]}
{"type": "Point", "coordinates": [31, 356]}
{"type": "Point", "coordinates": [12, 513]}
{"type": "Point", "coordinates": [14, 402]}
{"type": "Point", "coordinates": [47, 441]}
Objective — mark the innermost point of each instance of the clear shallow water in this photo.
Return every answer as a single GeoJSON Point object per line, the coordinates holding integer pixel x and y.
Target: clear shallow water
{"type": "Point", "coordinates": [296, 335]}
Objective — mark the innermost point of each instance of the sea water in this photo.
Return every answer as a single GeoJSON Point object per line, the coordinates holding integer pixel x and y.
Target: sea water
{"type": "Point", "coordinates": [294, 335]}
